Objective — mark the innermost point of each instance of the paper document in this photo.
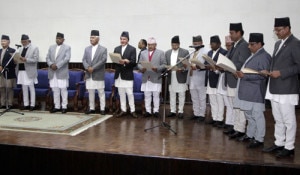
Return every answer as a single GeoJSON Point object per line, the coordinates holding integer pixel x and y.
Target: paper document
{"type": "Point", "coordinates": [17, 57]}
{"type": "Point", "coordinates": [174, 68]}
{"type": "Point", "coordinates": [198, 63]}
{"type": "Point", "coordinates": [147, 65]}
{"type": "Point", "coordinates": [226, 64]}
{"type": "Point", "coordinates": [115, 57]}
{"type": "Point", "coordinates": [209, 60]}
{"type": "Point", "coordinates": [185, 61]}
{"type": "Point", "coordinates": [252, 71]}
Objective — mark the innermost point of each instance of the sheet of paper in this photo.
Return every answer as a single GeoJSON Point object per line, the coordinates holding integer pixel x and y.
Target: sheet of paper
{"type": "Point", "coordinates": [252, 71]}
{"type": "Point", "coordinates": [209, 60]}
{"type": "Point", "coordinates": [198, 63]}
{"type": "Point", "coordinates": [147, 65]}
{"type": "Point", "coordinates": [17, 58]}
{"type": "Point", "coordinates": [185, 61]}
{"type": "Point", "coordinates": [226, 64]}
{"type": "Point", "coordinates": [115, 57]}
{"type": "Point", "coordinates": [174, 68]}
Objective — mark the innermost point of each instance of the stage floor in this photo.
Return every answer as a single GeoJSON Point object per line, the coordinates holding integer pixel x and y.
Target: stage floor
{"type": "Point", "coordinates": [193, 141]}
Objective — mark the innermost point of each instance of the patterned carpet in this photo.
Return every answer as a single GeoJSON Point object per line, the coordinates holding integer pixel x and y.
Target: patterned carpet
{"type": "Point", "coordinates": [44, 122]}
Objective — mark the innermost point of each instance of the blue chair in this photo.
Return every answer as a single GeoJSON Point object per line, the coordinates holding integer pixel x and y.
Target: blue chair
{"type": "Point", "coordinates": [18, 94]}
{"type": "Point", "coordinates": [42, 89]}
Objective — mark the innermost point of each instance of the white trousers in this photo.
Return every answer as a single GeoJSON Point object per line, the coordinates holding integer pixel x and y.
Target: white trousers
{"type": "Point", "coordinates": [181, 99]}
{"type": "Point", "coordinates": [123, 101]}
{"type": "Point", "coordinates": [229, 119]}
{"type": "Point", "coordinates": [239, 117]}
{"type": "Point", "coordinates": [198, 97]}
{"type": "Point", "coordinates": [148, 100]}
{"type": "Point", "coordinates": [285, 124]}
{"type": "Point", "coordinates": [57, 92]}
{"type": "Point", "coordinates": [217, 106]}
{"type": "Point", "coordinates": [101, 95]}
{"type": "Point", "coordinates": [256, 124]}
{"type": "Point", "coordinates": [26, 96]}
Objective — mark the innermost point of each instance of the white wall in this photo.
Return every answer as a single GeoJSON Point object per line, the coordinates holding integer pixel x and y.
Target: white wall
{"type": "Point", "coordinates": [162, 19]}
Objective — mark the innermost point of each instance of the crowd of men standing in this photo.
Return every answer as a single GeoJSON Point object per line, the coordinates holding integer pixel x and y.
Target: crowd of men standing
{"type": "Point", "coordinates": [241, 94]}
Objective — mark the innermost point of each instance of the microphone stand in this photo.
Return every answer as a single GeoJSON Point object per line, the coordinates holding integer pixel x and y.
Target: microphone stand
{"type": "Point", "coordinates": [165, 74]}
{"type": "Point", "coordinates": [6, 88]}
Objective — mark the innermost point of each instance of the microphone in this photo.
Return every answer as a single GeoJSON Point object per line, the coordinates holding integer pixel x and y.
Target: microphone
{"type": "Point", "coordinates": [196, 46]}
{"type": "Point", "coordinates": [18, 45]}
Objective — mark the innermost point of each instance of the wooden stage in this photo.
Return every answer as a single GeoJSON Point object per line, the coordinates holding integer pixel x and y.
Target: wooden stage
{"type": "Point", "coordinates": [120, 146]}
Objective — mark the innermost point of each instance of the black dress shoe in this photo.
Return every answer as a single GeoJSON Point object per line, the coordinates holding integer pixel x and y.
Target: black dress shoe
{"type": "Point", "coordinates": [122, 113]}
{"type": "Point", "coordinates": [244, 138]}
{"type": "Point", "coordinates": [134, 115]}
{"type": "Point", "coordinates": [229, 131]}
{"type": "Point", "coordinates": [25, 108]}
{"type": "Point", "coordinates": [147, 114]}
{"type": "Point", "coordinates": [156, 115]}
{"type": "Point", "coordinates": [254, 144]}
{"type": "Point", "coordinates": [217, 123]}
{"type": "Point", "coordinates": [172, 114]}
{"type": "Point", "coordinates": [273, 149]}
{"type": "Point", "coordinates": [3, 107]}
{"type": "Point", "coordinates": [90, 111]}
{"type": "Point", "coordinates": [211, 122]}
{"type": "Point", "coordinates": [194, 117]}
{"type": "Point", "coordinates": [54, 110]}
{"type": "Point", "coordinates": [102, 112]}
{"type": "Point", "coordinates": [32, 108]}
{"type": "Point", "coordinates": [200, 119]}
{"type": "Point", "coordinates": [180, 115]}
{"type": "Point", "coordinates": [285, 153]}
{"type": "Point", "coordinates": [236, 134]}
{"type": "Point", "coordinates": [63, 111]}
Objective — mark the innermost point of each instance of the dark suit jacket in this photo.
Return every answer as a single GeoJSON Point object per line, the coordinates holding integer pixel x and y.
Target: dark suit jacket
{"type": "Point", "coordinates": [11, 66]}
{"type": "Point", "coordinates": [211, 76]}
{"type": "Point", "coordinates": [287, 61]}
{"type": "Point", "coordinates": [181, 76]}
{"type": "Point", "coordinates": [252, 86]}
{"type": "Point", "coordinates": [238, 56]}
{"type": "Point", "coordinates": [126, 70]}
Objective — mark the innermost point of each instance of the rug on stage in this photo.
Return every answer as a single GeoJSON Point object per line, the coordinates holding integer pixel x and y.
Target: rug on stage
{"type": "Point", "coordinates": [44, 122]}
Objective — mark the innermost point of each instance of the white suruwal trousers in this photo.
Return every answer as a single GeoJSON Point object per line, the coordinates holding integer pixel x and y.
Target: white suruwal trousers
{"type": "Point", "coordinates": [59, 88]}
{"type": "Point", "coordinates": [239, 115]}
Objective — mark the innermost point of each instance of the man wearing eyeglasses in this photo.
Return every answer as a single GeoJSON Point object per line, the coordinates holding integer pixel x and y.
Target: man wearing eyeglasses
{"type": "Point", "coordinates": [251, 89]}
{"type": "Point", "coordinates": [283, 88]}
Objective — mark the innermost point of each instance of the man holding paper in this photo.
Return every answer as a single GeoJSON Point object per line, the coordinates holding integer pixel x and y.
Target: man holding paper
{"type": "Point", "coordinates": [197, 80]}
{"type": "Point", "coordinates": [212, 74]}
{"type": "Point", "coordinates": [238, 55]}
{"type": "Point", "coordinates": [251, 90]}
{"type": "Point", "coordinates": [177, 78]}
{"type": "Point", "coordinates": [27, 71]}
{"type": "Point", "coordinates": [151, 82]}
{"type": "Point", "coordinates": [124, 74]}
